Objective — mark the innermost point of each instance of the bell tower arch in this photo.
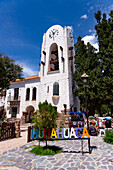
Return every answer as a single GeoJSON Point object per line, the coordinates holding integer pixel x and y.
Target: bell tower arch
{"type": "Point", "coordinates": [53, 64]}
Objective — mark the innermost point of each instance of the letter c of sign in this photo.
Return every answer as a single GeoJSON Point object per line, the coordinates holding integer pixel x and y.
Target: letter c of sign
{"type": "Point", "coordinates": [77, 132]}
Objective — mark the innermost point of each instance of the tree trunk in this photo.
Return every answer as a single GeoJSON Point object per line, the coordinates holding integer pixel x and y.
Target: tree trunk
{"type": "Point", "coordinates": [100, 113]}
{"type": "Point", "coordinates": [112, 111]}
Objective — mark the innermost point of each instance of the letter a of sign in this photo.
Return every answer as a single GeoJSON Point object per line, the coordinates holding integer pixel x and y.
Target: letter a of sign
{"type": "Point", "coordinates": [85, 133]}
{"type": "Point", "coordinates": [53, 133]}
{"type": "Point", "coordinates": [72, 133]}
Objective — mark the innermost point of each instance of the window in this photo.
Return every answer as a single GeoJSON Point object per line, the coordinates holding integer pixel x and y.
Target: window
{"type": "Point", "coordinates": [34, 94]}
{"type": "Point", "coordinates": [53, 59]}
{"type": "Point", "coordinates": [16, 93]}
{"type": "Point", "coordinates": [27, 93]}
{"type": "Point", "coordinates": [55, 89]}
{"type": "Point", "coordinates": [47, 89]}
{"type": "Point", "coordinates": [14, 111]}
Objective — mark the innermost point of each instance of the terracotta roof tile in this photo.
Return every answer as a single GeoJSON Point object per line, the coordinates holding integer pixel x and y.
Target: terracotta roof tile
{"type": "Point", "coordinates": [28, 78]}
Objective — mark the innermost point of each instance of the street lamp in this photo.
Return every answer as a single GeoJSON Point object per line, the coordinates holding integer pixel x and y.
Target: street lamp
{"type": "Point", "coordinates": [85, 80]}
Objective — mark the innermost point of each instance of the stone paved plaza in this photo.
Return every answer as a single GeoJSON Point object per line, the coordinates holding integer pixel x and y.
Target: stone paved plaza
{"type": "Point", "coordinates": [71, 158]}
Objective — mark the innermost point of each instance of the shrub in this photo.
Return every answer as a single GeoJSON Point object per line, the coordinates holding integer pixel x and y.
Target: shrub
{"type": "Point", "coordinates": [108, 137]}
{"type": "Point", "coordinates": [46, 116]}
{"type": "Point", "coordinates": [50, 150]}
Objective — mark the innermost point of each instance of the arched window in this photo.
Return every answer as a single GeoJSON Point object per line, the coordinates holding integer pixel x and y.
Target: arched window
{"type": "Point", "coordinates": [27, 93]}
{"type": "Point", "coordinates": [53, 58]}
{"type": "Point", "coordinates": [34, 94]}
{"type": "Point", "coordinates": [55, 89]}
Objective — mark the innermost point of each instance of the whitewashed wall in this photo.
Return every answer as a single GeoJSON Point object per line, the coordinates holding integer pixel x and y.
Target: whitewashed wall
{"type": "Point", "coordinates": [23, 85]}
{"type": "Point", "coordinates": [64, 40]}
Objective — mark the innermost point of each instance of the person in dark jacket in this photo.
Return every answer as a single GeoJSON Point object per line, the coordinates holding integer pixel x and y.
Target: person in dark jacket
{"type": "Point", "coordinates": [108, 123]}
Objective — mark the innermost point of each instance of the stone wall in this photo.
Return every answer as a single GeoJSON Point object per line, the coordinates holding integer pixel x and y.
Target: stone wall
{"type": "Point", "coordinates": [17, 125]}
{"type": "Point", "coordinates": [64, 115]}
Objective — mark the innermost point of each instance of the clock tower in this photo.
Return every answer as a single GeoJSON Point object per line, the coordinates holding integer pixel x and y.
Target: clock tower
{"type": "Point", "coordinates": [57, 68]}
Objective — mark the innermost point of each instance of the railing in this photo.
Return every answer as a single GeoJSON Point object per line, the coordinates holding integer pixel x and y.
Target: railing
{"type": "Point", "coordinates": [7, 131]}
{"type": "Point", "coordinates": [12, 98]}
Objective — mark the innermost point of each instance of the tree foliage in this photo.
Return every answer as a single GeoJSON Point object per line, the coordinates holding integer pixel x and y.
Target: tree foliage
{"type": "Point", "coordinates": [9, 71]}
{"type": "Point", "coordinates": [46, 116]}
{"type": "Point", "coordinates": [104, 30]}
{"type": "Point", "coordinates": [87, 61]}
{"type": "Point", "coordinates": [98, 65]}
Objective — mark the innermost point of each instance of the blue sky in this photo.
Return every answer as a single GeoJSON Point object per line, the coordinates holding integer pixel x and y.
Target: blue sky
{"type": "Point", "coordinates": [23, 23]}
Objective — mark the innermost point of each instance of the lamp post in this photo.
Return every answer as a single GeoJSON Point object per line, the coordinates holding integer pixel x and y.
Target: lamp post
{"type": "Point", "coordinates": [85, 80]}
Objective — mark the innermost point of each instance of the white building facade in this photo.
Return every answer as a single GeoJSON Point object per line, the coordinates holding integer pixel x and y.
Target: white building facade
{"type": "Point", "coordinates": [55, 81]}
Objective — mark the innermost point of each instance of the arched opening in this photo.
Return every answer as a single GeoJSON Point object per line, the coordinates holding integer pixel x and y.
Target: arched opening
{"type": "Point", "coordinates": [34, 94]}
{"type": "Point", "coordinates": [53, 58]}
{"type": "Point", "coordinates": [55, 89]}
{"type": "Point", "coordinates": [30, 112]}
{"type": "Point", "coordinates": [27, 93]}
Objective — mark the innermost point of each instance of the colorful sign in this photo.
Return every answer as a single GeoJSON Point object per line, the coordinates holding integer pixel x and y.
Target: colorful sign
{"type": "Point", "coordinates": [57, 134]}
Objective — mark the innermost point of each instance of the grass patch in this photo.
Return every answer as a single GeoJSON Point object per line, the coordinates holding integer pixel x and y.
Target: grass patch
{"type": "Point", "coordinates": [42, 150]}
{"type": "Point", "coordinates": [109, 137]}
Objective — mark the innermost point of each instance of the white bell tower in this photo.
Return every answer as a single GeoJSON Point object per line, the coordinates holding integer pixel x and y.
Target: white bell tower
{"type": "Point", "coordinates": [57, 68]}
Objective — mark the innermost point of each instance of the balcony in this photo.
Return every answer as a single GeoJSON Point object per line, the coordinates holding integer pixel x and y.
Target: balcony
{"type": "Point", "coordinates": [12, 98]}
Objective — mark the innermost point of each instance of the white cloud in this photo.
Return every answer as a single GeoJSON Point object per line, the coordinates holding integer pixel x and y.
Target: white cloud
{"type": "Point", "coordinates": [79, 25]}
{"type": "Point", "coordinates": [92, 39]}
{"type": "Point", "coordinates": [27, 70]}
{"type": "Point", "coordinates": [111, 7]}
{"type": "Point", "coordinates": [91, 8]}
{"type": "Point", "coordinates": [84, 16]}
{"type": "Point", "coordinates": [90, 30]}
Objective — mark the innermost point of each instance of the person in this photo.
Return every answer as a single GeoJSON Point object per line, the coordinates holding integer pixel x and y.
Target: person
{"type": "Point", "coordinates": [108, 123]}
{"type": "Point", "coordinates": [92, 130]}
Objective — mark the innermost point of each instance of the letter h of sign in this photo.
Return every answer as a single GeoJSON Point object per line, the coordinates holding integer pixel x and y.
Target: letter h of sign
{"type": "Point", "coordinates": [34, 133]}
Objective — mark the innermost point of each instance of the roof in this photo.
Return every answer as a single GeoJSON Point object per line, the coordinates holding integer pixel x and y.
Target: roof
{"type": "Point", "coordinates": [28, 78]}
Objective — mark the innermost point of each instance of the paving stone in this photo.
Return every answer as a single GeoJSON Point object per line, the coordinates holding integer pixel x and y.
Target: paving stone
{"type": "Point", "coordinates": [70, 161]}
{"type": "Point", "coordinates": [78, 163]}
{"type": "Point", "coordinates": [82, 167]}
{"type": "Point", "coordinates": [89, 159]}
{"type": "Point", "coordinates": [38, 169]}
{"type": "Point", "coordinates": [10, 158]}
{"type": "Point", "coordinates": [23, 167]}
{"type": "Point", "coordinates": [7, 163]}
{"type": "Point", "coordinates": [72, 164]}
{"type": "Point", "coordinates": [65, 165]}
{"type": "Point", "coordinates": [103, 167]}
{"type": "Point", "coordinates": [100, 158]}
{"type": "Point", "coordinates": [90, 167]}
{"type": "Point", "coordinates": [93, 163]}
{"type": "Point", "coordinates": [67, 156]}
{"type": "Point", "coordinates": [82, 158]}
{"type": "Point", "coordinates": [72, 168]}
{"type": "Point", "coordinates": [54, 168]}
{"type": "Point", "coordinates": [98, 163]}
{"type": "Point", "coordinates": [44, 163]}
{"type": "Point", "coordinates": [29, 164]}
{"type": "Point", "coordinates": [86, 163]}
{"type": "Point", "coordinates": [1, 159]}
{"type": "Point", "coordinates": [110, 167]}
{"type": "Point", "coordinates": [49, 165]}
{"type": "Point", "coordinates": [27, 160]}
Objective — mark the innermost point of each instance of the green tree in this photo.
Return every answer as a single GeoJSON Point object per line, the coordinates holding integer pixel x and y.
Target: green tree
{"type": "Point", "coordinates": [87, 61]}
{"type": "Point", "coordinates": [104, 31]}
{"type": "Point", "coordinates": [9, 71]}
{"type": "Point", "coordinates": [99, 66]}
{"type": "Point", "coordinates": [46, 116]}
